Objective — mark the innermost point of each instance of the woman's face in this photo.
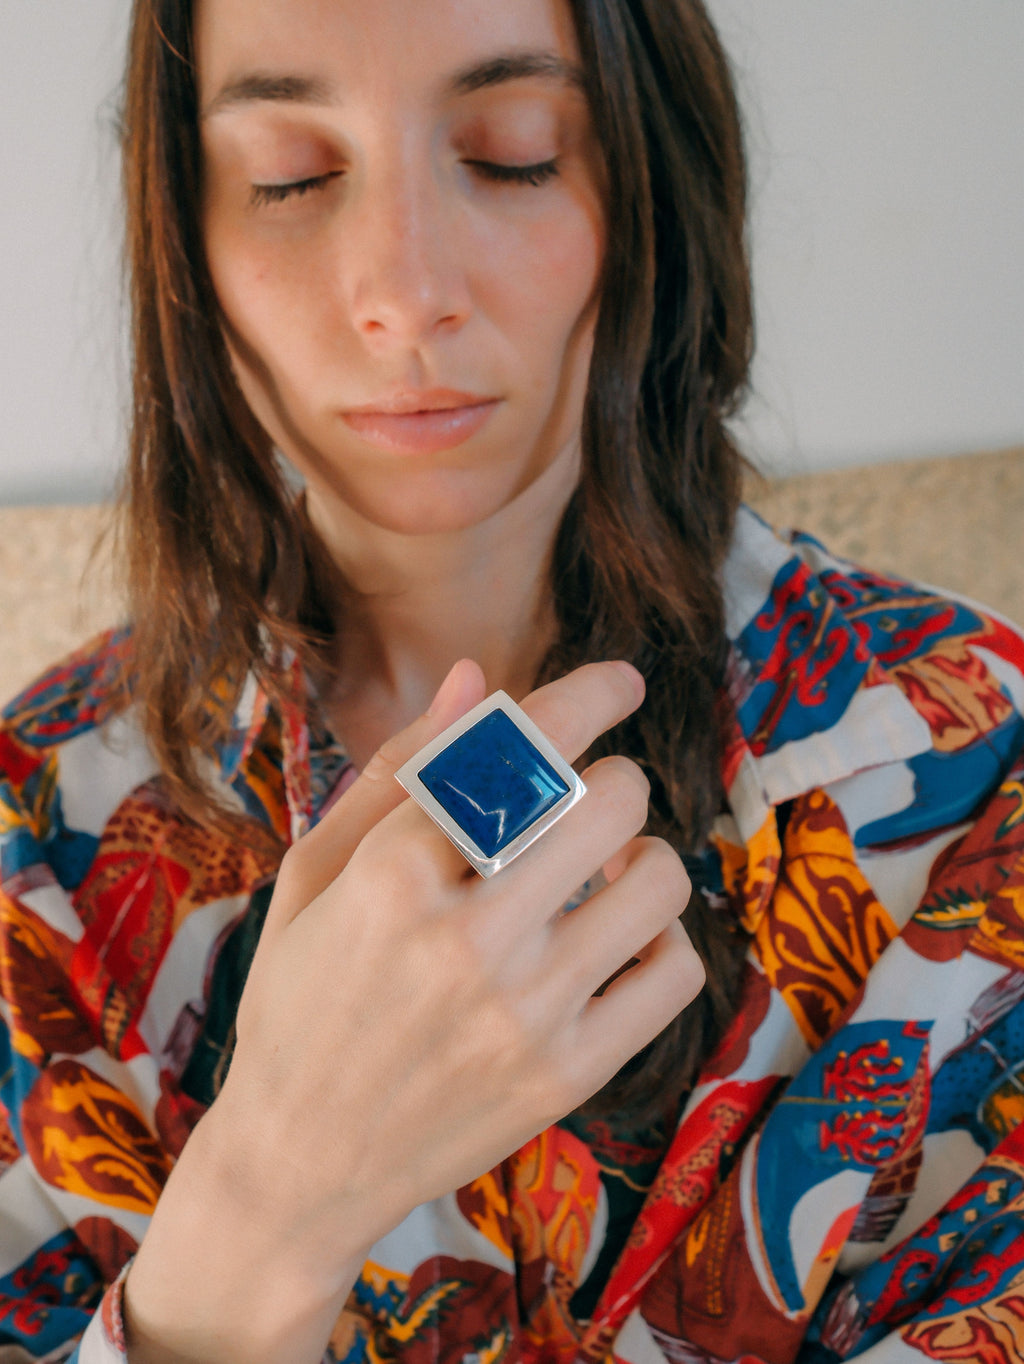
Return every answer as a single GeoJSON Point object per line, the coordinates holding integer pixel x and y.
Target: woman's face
{"type": "Point", "coordinates": [403, 220]}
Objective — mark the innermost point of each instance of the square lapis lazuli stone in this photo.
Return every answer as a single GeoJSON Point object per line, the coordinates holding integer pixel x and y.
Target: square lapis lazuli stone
{"type": "Point", "coordinates": [493, 782]}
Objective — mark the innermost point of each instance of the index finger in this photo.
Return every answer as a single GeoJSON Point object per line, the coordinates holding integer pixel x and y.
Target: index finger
{"type": "Point", "coordinates": [312, 863]}
{"type": "Point", "coordinates": [572, 711]}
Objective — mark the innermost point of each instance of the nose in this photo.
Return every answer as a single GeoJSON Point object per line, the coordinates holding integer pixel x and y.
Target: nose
{"type": "Point", "coordinates": [407, 283]}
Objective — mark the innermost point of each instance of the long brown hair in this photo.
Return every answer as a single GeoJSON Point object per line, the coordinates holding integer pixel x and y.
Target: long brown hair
{"type": "Point", "coordinates": [225, 575]}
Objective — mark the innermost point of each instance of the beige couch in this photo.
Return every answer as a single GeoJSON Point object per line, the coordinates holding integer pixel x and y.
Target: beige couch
{"type": "Point", "coordinates": [955, 522]}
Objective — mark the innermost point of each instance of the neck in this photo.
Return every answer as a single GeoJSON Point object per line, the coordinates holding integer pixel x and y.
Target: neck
{"type": "Point", "coordinates": [411, 606]}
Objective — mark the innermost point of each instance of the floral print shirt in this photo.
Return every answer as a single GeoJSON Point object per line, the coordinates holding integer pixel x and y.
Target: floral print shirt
{"type": "Point", "coordinates": [845, 1181]}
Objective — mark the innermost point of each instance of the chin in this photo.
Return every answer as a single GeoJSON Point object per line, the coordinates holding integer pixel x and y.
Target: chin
{"type": "Point", "coordinates": [413, 511]}
{"type": "Point", "coordinates": [422, 520]}
{"type": "Point", "coordinates": [427, 498]}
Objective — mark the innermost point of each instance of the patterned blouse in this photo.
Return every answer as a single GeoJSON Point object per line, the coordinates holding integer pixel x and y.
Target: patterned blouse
{"type": "Point", "coordinates": [846, 1179]}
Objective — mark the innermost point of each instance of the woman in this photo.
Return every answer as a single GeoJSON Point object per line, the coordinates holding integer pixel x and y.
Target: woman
{"type": "Point", "coordinates": [475, 273]}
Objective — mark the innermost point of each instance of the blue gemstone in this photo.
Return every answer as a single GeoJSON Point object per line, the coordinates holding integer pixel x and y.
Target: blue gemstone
{"type": "Point", "coordinates": [493, 782]}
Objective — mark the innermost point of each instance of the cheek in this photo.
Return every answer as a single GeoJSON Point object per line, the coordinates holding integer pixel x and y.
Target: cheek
{"type": "Point", "coordinates": [547, 272]}
{"type": "Point", "coordinates": [253, 319]}
{"type": "Point", "coordinates": [260, 288]}
{"type": "Point", "coordinates": [247, 288]}
{"type": "Point", "coordinates": [274, 331]}
{"type": "Point", "coordinates": [237, 277]}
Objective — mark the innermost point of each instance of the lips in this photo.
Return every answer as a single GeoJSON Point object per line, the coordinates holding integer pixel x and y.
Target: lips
{"type": "Point", "coordinates": [420, 422]}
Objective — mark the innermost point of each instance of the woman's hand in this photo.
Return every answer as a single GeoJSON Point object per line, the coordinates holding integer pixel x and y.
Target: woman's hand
{"type": "Point", "coordinates": [407, 1024]}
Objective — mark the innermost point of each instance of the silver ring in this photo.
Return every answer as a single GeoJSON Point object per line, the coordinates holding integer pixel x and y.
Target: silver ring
{"type": "Point", "coordinates": [492, 782]}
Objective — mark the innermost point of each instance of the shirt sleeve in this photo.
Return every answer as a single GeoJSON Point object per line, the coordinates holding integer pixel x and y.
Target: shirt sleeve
{"type": "Point", "coordinates": [79, 1166]}
{"type": "Point", "coordinates": [105, 1012]}
{"type": "Point", "coordinates": [104, 1338]}
{"type": "Point", "coordinates": [952, 1290]}
{"type": "Point", "coordinates": [948, 1281]}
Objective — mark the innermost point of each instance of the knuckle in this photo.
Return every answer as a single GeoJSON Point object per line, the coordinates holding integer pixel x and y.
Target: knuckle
{"type": "Point", "coordinates": [386, 761]}
{"type": "Point", "coordinates": [692, 973]}
{"type": "Point", "coordinates": [529, 1015]}
{"type": "Point", "coordinates": [507, 1023]}
{"type": "Point", "coordinates": [579, 977]}
{"type": "Point", "coordinates": [665, 866]}
{"type": "Point", "coordinates": [555, 1084]}
{"type": "Point", "coordinates": [289, 871]}
{"type": "Point", "coordinates": [622, 783]}
{"type": "Point", "coordinates": [563, 719]}
{"type": "Point", "coordinates": [405, 863]}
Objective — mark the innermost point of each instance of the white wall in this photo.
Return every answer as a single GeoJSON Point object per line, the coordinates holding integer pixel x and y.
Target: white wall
{"type": "Point", "coordinates": [887, 143]}
{"type": "Point", "coordinates": [887, 156]}
{"type": "Point", "coordinates": [60, 390]}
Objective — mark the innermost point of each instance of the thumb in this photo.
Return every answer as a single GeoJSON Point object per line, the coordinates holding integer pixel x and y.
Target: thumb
{"type": "Point", "coordinates": [319, 856]}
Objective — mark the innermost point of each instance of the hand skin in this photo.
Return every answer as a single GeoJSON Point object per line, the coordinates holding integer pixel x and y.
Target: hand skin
{"type": "Point", "coordinates": [389, 974]}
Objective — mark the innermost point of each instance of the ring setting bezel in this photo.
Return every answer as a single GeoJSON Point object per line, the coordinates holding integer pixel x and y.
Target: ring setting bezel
{"type": "Point", "coordinates": [493, 754]}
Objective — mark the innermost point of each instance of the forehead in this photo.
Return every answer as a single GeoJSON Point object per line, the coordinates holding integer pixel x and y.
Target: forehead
{"type": "Point", "coordinates": [397, 48]}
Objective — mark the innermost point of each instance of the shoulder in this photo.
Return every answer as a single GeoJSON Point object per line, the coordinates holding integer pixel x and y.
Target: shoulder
{"type": "Point", "coordinates": [70, 697]}
{"type": "Point", "coordinates": [836, 670]}
{"type": "Point", "coordinates": [70, 750]}
{"type": "Point", "coordinates": [80, 782]}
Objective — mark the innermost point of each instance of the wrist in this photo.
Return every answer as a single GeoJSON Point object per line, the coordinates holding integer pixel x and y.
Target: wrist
{"type": "Point", "coordinates": [228, 1270]}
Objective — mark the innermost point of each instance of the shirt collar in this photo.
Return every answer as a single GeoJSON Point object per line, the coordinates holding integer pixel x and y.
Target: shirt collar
{"type": "Point", "coordinates": [806, 702]}
{"type": "Point", "coordinates": [310, 762]}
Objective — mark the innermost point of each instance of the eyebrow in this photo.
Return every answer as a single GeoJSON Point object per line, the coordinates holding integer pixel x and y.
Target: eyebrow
{"type": "Point", "coordinates": [516, 67]}
{"type": "Point", "coordinates": [255, 87]}
{"type": "Point", "coordinates": [258, 86]}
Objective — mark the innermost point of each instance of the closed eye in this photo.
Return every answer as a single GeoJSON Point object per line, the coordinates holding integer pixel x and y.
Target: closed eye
{"type": "Point", "coordinates": [538, 174]}
{"type": "Point", "coordinates": [292, 189]}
